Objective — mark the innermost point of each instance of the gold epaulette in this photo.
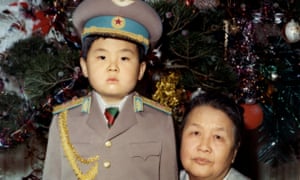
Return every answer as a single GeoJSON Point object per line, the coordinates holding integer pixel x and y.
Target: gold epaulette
{"type": "Point", "coordinates": [140, 101]}
{"type": "Point", "coordinates": [85, 102]}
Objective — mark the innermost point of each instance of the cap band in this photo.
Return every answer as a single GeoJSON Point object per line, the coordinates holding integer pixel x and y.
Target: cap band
{"type": "Point", "coordinates": [118, 27]}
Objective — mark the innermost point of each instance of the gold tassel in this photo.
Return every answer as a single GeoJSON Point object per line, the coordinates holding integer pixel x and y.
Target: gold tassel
{"type": "Point", "coordinates": [72, 155]}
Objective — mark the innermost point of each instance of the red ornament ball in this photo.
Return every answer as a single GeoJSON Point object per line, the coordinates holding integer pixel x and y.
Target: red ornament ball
{"type": "Point", "coordinates": [253, 115]}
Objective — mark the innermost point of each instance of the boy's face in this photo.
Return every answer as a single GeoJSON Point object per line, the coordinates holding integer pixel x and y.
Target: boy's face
{"type": "Point", "coordinates": [112, 67]}
{"type": "Point", "coordinates": [207, 145]}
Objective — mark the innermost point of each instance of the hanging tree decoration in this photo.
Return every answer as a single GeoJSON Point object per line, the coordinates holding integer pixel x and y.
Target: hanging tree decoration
{"type": "Point", "coordinates": [291, 31]}
{"type": "Point", "coordinates": [268, 66]}
{"type": "Point", "coordinates": [167, 91]}
{"type": "Point", "coordinates": [245, 61]}
{"type": "Point", "coordinates": [253, 115]}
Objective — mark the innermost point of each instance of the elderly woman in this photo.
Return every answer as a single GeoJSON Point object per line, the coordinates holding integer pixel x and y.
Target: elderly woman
{"type": "Point", "coordinates": [210, 138]}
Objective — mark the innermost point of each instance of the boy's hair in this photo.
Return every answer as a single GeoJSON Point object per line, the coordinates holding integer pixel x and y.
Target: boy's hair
{"type": "Point", "coordinates": [88, 41]}
{"type": "Point", "coordinates": [223, 103]}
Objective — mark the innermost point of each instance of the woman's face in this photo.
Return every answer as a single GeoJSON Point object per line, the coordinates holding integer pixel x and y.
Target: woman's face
{"type": "Point", "coordinates": [207, 144]}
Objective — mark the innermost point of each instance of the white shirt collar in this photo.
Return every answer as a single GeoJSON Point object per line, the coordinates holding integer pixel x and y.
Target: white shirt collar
{"type": "Point", "coordinates": [227, 175]}
{"type": "Point", "coordinates": [104, 105]}
{"type": "Point", "coordinates": [184, 175]}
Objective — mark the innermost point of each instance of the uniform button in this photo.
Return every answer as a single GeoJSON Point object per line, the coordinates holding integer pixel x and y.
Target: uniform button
{"type": "Point", "coordinates": [106, 164]}
{"type": "Point", "coordinates": [108, 144]}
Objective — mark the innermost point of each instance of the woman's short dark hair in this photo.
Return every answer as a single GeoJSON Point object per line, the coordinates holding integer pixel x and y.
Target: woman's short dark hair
{"type": "Point", "coordinates": [223, 103]}
{"type": "Point", "coordinates": [88, 41]}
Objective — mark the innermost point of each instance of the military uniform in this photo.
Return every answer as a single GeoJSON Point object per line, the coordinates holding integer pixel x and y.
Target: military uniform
{"type": "Point", "coordinates": [139, 146]}
{"type": "Point", "coordinates": [141, 143]}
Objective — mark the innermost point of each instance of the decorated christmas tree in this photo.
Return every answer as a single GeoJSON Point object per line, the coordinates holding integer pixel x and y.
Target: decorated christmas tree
{"type": "Point", "coordinates": [249, 50]}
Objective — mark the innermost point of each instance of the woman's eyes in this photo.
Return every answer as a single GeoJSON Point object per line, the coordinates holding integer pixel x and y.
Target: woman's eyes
{"type": "Point", "coordinates": [195, 133]}
{"type": "Point", "coordinates": [216, 136]}
{"type": "Point", "coordinates": [219, 138]}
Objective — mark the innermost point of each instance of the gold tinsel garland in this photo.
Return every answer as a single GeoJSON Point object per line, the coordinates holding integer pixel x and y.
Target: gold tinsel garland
{"type": "Point", "coordinates": [72, 155]}
{"type": "Point", "coordinates": [167, 93]}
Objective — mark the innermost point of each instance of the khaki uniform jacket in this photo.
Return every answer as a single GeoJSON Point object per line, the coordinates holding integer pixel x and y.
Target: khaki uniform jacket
{"type": "Point", "coordinates": [139, 146]}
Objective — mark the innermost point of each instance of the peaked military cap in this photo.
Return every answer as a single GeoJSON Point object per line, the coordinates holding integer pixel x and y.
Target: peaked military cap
{"type": "Point", "coordinates": [133, 20]}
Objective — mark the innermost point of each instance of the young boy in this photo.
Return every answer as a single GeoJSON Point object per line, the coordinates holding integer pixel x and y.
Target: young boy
{"type": "Point", "coordinates": [140, 143]}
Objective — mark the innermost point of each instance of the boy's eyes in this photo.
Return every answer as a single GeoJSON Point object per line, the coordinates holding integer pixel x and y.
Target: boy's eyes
{"type": "Point", "coordinates": [122, 58]}
{"type": "Point", "coordinates": [101, 57]}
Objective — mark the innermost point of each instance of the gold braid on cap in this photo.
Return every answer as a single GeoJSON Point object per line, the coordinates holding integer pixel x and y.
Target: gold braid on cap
{"type": "Point", "coordinates": [72, 155]}
{"type": "Point", "coordinates": [115, 32]}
